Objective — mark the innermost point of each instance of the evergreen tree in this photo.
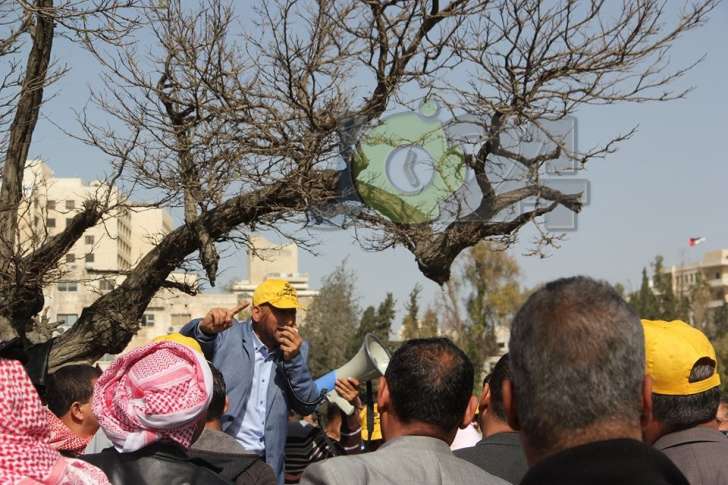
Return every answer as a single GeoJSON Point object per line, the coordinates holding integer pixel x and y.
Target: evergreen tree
{"type": "Point", "coordinates": [429, 326]}
{"type": "Point", "coordinates": [410, 323]}
{"type": "Point", "coordinates": [331, 321]}
{"type": "Point", "coordinates": [645, 302]}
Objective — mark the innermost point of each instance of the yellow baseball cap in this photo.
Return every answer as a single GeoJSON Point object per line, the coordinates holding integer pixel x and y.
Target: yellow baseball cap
{"type": "Point", "coordinates": [180, 339]}
{"type": "Point", "coordinates": [672, 349]}
{"type": "Point", "coordinates": [277, 293]}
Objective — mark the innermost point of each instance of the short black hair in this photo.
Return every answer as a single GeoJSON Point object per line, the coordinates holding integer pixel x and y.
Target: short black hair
{"type": "Point", "coordinates": [430, 380]}
{"type": "Point", "coordinates": [677, 413]}
{"type": "Point", "coordinates": [219, 391]}
{"type": "Point", "coordinates": [69, 384]}
{"type": "Point", "coordinates": [495, 380]}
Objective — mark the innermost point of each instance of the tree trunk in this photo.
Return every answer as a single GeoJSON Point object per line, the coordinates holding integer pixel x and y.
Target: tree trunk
{"type": "Point", "coordinates": [11, 191]}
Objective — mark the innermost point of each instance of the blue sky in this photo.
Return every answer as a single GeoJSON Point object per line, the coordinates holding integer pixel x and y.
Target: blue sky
{"type": "Point", "coordinates": [666, 184]}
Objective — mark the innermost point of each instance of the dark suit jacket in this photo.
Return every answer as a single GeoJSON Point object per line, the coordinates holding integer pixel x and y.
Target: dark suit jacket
{"type": "Point", "coordinates": [700, 453]}
{"type": "Point", "coordinates": [500, 454]}
{"type": "Point", "coordinates": [608, 462]}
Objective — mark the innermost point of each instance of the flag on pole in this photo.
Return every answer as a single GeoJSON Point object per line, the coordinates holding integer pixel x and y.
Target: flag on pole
{"type": "Point", "coordinates": [694, 241]}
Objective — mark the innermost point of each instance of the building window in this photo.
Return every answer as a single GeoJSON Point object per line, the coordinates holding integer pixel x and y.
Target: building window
{"type": "Point", "coordinates": [51, 222]}
{"type": "Point", "coordinates": [66, 320]}
{"type": "Point", "coordinates": [68, 221]}
{"type": "Point", "coordinates": [148, 320]}
{"type": "Point", "coordinates": [717, 276]}
{"type": "Point", "coordinates": [51, 205]}
{"type": "Point", "coordinates": [67, 286]}
{"type": "Point", "coordinates": [501, 345]}
{"type": "Point", "coordinates": [107, 285]}
{"type": "Point", "coordinates": [70, 258]}
{"type": "Point", "coordinates": [70, 204]}
{"type": "Point", "coordinates": [89, 239]}
{"type": "Point", "coordinates": [89, 258]}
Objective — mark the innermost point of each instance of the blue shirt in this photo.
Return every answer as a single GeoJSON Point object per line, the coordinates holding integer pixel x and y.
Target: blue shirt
{"type": "Point", "coordinates": [252, 432]}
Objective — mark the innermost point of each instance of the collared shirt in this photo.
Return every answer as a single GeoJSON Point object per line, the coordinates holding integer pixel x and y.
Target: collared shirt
{"type": "Point", "coordinates": [252, 431]}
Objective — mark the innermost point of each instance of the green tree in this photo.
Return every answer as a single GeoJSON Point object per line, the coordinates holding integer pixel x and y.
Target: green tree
{"type": "Point", "coordinates": [429, 326]}
{"type": "Point", "coordinates": [410, 323]}
{"type": "Point", "coordinates": [720, 320]}
{"type": "Point", "coordinates": [378, 322]}
{"type": "Point", "coordinates": [658, 301]}
{"type": "Point", "coordinates": [483, 294]}
{"type": "Point", "coordinates": [331, 321]}
{"type": "Point", "coordinates": [721, 350]}
{"type": "Point", "coordinates": [644, 301]}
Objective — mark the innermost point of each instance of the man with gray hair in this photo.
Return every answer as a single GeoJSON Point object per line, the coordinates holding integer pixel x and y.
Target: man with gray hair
{"type": "Point", "coordinates": [578, 391]}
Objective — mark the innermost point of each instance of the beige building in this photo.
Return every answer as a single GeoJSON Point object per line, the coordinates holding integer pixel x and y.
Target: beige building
{"type": "Point", "coordinates": [100, 258]}
{"type": "Point", "coordinates": [713, 270]}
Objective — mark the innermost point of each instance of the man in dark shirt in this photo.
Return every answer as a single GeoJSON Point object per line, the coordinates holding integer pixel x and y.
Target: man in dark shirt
{"type": "Point", "coordinates": [578, 392]}
{"type": "Point", "coordinates": [499, 452]}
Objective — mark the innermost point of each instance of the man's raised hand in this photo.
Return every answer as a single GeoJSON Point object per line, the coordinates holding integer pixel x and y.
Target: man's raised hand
{"type": "Point", "coordinates": [219, 319]}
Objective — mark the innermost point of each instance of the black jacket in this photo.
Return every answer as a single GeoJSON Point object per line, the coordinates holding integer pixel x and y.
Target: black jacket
{"type": "Point", "coordinates": [610, 462]}
{"type": "Point", "coordinates": [500, 454]}
{"type": "Point", "coordinates": [161, 463]}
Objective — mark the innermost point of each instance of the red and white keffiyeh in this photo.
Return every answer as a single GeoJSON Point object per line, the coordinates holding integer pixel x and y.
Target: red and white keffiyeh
{"type": "Point", "coordinates": [25, 456]}
{"type": "Point", "coordinates": [62, 438]}
{"type": "Point", "coordinates": [160, 390]}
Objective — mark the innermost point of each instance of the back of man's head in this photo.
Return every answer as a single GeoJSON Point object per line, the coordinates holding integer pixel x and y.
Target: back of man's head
{"type": "Point", "coordinates": [495, 380]}
{"type": "Point", "coordinates": [69, 384]}
{"type": "Point", "coordinates": [682, 364]}
{"type": "Point", "coordinates": [219, 394]}
{"type": "Point", "coordinates": [577, 365]}
{"type": "Point", "coordinates": [430, 381]}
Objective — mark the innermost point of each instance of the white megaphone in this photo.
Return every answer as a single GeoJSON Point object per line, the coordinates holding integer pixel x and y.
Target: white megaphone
{"type": "Point", "coordinates": [371, 361]}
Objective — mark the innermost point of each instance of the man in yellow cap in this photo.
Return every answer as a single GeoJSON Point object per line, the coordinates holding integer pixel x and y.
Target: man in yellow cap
{"type": "Point", "coordinates": [682, 365]}
{"type": "Point", "coordinates": [264, 363]}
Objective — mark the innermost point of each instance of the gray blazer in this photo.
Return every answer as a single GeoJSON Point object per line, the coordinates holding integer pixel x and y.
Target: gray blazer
{"type": "Point", "coordinates": [700, 453]}
{"type": "Point", "coordinates": [416, 460]}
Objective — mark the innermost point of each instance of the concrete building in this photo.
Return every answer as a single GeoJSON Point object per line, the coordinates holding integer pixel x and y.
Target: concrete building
{"type": "Point", "coordinates": [99, 260]}
{"type": "Point", "coordinates": [713, 270]}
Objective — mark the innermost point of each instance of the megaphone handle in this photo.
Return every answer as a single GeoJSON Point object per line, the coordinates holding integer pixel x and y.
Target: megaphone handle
{"type": "Point", "coordinates": [342, 403]}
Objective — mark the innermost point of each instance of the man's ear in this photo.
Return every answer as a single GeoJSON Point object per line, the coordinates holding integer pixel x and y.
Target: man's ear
{"type": "Point", "coordinates": [256, 313]}
{"type": "Point", "coordinates": [509, 404]}
{"type": "Point", "coordinates": [383, 398]}
{"type": "Point", "coordinates": [227, 405]}
{"type": "Point", "coordinates": [76, 411]}
{"type": "Point", "coordinates": [469, 412]}
{"type": "Point", "coordinates": [484, 399]}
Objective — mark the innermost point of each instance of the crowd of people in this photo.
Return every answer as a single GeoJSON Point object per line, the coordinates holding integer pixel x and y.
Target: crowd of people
{"type": "Point", "coordinates": [587, 394]}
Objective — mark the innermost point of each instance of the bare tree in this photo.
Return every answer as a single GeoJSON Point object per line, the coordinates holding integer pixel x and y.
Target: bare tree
{"type": "Point", "coordinates": [28, 32]}
{"type": "Point", "coordinates": [239, 127]}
